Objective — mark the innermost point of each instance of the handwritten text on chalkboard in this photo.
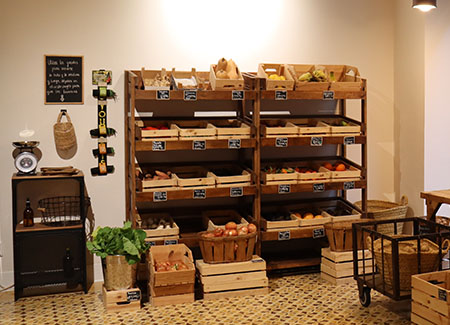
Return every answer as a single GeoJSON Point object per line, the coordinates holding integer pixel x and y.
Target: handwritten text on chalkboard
{"type": "Point", "coordinates": [63, 79]}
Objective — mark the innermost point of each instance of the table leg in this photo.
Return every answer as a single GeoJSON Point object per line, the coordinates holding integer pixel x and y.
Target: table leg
{"type": "Point", "coordinates": [432, 209]}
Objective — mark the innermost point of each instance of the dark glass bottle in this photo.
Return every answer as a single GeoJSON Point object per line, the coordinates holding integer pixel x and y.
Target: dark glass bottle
{"type": "Point", "coordinates": [68, 264]}
{"type": "Point", "coordinates": [28, 215]}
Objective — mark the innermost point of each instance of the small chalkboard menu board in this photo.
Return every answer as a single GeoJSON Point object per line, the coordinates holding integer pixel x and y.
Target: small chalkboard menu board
{"type": "Point", "coordinates": [63, 79]}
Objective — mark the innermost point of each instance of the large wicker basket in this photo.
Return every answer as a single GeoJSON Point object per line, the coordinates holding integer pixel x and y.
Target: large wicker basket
{"type": "Point", "coordinates": [408, 259]}
{"type": "Point", "coordinates": [340, 235]}
{"type": "Point", "coordinates": [381, 210]}
{"type": "Point", "coordinates": [227, 249]}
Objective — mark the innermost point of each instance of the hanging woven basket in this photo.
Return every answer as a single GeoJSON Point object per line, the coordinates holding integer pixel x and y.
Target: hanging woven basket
{"type": "Point", "coordinates": [64, 132]}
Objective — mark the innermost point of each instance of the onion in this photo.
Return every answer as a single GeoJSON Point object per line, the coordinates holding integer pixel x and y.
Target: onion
{"type": "Point", "coordinates": [231, 225]}
{"type": "Point", "coordinates": [243, 231]}
{"type": "Point", "coordinates": [251, 228]}
{"type": "Point", "coordinates": [232, 232]}
{"type": "Point", "coordinates": [218, 232]}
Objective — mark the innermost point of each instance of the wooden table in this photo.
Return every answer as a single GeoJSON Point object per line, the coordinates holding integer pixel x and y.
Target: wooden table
{"type": "Point", "coordinates": [434, 200]}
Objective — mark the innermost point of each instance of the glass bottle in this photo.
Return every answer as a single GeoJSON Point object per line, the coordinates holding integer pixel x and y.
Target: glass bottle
{"type": "Point", "coordinates": [28, 215]}
{"type": "Point", "coordinates": [67, 264]}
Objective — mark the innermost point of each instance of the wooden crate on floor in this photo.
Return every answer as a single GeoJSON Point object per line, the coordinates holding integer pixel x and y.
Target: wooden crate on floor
{"type": "Point", "coordinates": [337, 267]}
{"type": "Point", "coordinates": [122, 300]}
{"type": "Point", "coordinates": [224, 280]}
{"type": "Point", "coordinates": [430, 297]}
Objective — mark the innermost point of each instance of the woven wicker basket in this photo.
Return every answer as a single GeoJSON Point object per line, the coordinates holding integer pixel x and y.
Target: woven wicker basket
{"type": "Point", "coordinates": [227, 249]}
{"type": "Point", "coordinates": [340, 235]}
{"type": "Point", "coordinates": [64, 132]}
{"type": "Point", "coordinates": [408, 259]}
{"type": "Point", "coordinates": [382, 210]}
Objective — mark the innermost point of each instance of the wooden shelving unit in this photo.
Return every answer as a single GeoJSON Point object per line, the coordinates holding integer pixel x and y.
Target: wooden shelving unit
{"type": "Point", "coordinates": [143, 104]}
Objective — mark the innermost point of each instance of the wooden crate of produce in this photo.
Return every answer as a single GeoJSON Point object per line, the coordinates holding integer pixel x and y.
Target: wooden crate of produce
{"type": "Point", "coordinates": [184, 79]}
{"type": "Point", "coordinates": [152, 179]}
{"type": "Point", "coordinates": [278, 128]}
{"type": "Point", "coordinates": [229, 175]}
{"type": "Point", "coordinates": [277, 219]}
{"type": "Point", "coordinates": [203, 80]}
{"type": "Point", "coordinates": [194, 130]}
{"type": "Point", "coordinates": [307, 215]}
{"type": "Point", "coordinates": [213, 219]}
{"type": "Point", "coordinates": [347, 78]}
{"type": "Point", "coordinates": [232, 80]}
{"type": "Point", "coordinates": [277, 76]}
{"type": "Point", "coordinates": [193, 176]}
{"type": "Point", "coordinates": [430, 297]}
{"type": "Point", "coordinates": [154, 131]}
{"type": "Point", "coordinates": [232, 129]}
{"type": "Point", "coordinates": [311, 126]}
{"type": "Point", "coordinates": [312, 174]}
{"type": "Point", "coordinates": [157, 225]}
{"type": "Point", "coordinates": [128, 300]}
{"type": "Point", "coordinates": [341, 171]}
{"type": "Point", "coordinates": [340, 211]}
{"type": "Point", "coordinates": [339, 126]}
{"type": "Point", "coordinates": [227, 280]}
{"type": "Point", "coordinates": [299, 70]}
{"type": "Point", "coordinates": [337, 267]}
{"type": "Point", "coordinates": [154, 79]}
{"type": "Point", "coordinates": [276, 174]}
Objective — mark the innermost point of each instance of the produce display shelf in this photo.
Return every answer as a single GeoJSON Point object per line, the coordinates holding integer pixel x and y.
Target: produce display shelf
{"type": "Point", "coordinates": [42, 227]}
{"type": "Point", "coordinates": [188, 144]}
{"type": "Point", "coordinates": [306, 141]}
{"type": "Point", "coordinates": [189, 193]}
{"type": "Point", "coordinates": [312, 187]}
{"type": "Point", "coordinates": [295, 233]}
{"type": "Point", "coordinates": [292, 263]}
{"type": "Point", "coordinates": [201, 94]}
{"type": "Point", "coordinates": [292, 94]}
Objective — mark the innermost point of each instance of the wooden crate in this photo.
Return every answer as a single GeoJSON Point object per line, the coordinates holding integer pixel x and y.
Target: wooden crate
{"type": "Point", "coordinates": [161, 239]}
{"type": "Point", "coordinates": [347, 78]}
{"type": "Point", "coordinates": [278, 128]}
{"type": "Point", "coordinates": [354, 215]}
{"type": "Point", "coordinates": [150, 185]}
{"type": "Point", "coordinates": [352, 173]}
{"type": "Point", "coordinates": [278, 178]}
{"type": "Point", "coordinates": [193, 176]}
{"type": "Point", "coordinates": [241, 177]}
{"type": "Point", "coordinates": [154, 135]}
{"type": "Point", "coordinates": [225, 84]}
{"type": "Point", "coordinates": [145, 75]}
{"type": "Point", "coordinates": [128, 300]}
{"type": "Point", "coordinates": [172, 299]}
{"type": "Point", "coordinates": [431, 298]}
{"type": "Point", "coordinates": [203, 80]}
{"type": "Point", "coordinates": [232, 129]}
{"type": "Point", "coordinates": [179, 252]}
{"type": "Point", "coordinates": [279, 225]}
{"type": "Point", "coordinates": [337, 267]}
{"type": "Point", "coordinates": [266, 69]}
{"type": "Point", "coordinates": [213, 219]}
{"type": "Point", "coordinates": [311, 126]}
{"type": "Point", "coordinates": [226, 280]}
{"type": "Point", "coordinates": [192, 130]}
{"type": "Point", "coordinates": [322, 176]}
{"type": "Point", "coordinates": [298, 69]}
{"type": "Point", "coordinates": [313, 222]}
{"type": "Point", "coordinates": [155, 233]}
{"type": "Point", "coordinates": [184, 75]}
{"type": "Point", "coordinates": [350, 129]}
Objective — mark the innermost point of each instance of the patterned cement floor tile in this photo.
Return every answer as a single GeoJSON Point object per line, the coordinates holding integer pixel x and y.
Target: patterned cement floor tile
{"type": "Point", "coordinates": [302, 299]}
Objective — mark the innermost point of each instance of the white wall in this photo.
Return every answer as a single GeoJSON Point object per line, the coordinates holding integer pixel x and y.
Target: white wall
{"type": "Point", "coordinates": [121, 35]}
{"type": "Point", "coordinates": [437, 108]}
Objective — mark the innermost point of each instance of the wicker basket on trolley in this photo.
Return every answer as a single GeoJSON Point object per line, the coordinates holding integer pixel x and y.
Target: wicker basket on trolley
{"type": "Point", "coordinates": [382, 210]}
{"type": "Point", "coordinates": [407, 258]}
{"type": "Point", "coordinates": [227, 249]}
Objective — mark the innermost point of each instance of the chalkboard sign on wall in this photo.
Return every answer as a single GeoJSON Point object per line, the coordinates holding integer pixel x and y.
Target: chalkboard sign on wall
{"type": "Point", "coordinates": [63, 79]}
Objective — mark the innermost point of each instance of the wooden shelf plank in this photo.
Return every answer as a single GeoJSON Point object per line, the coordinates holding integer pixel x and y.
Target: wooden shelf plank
{"type": "Point", "coordinates": [40, 176]}
{"type": "Point", "coordinates": [189, 193]}
{"type": "Point", "coordinates": [187, 144]}
{"type": "Point", "coordinates": [295, 233]}
{"type": "Point", "coordinates": [42, 227]}
{"type": "Point", "coordinates": [201, 94]}
{"type": "Point", "coordinates": [293, 263]}
{"type": "Point", "coordinates": [270, 94]}
{"type": "Point", "coordinates": [306, 141]}
{"type": "Point", "coordinates": [295, 188]}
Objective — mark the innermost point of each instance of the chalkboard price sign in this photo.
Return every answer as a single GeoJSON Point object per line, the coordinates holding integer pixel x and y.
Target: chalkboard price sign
{"type": "Point", "coordinates": [63, 79]}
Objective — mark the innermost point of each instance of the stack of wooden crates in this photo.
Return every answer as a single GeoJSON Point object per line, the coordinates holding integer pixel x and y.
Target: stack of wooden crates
{"type": "Point", "coordinates": [171, 287]}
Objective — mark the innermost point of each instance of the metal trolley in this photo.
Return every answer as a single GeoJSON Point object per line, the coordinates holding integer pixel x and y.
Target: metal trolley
{"type": "Point", "coordinates": [378, 265]}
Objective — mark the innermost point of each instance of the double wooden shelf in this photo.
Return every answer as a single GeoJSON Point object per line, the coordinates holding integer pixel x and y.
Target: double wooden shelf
{"type": "Point", "coordinates": [148, 105]}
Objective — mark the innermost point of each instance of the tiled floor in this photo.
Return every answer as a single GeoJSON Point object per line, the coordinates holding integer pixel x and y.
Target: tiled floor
{"type": "Point", "coordinates": [302, 299]}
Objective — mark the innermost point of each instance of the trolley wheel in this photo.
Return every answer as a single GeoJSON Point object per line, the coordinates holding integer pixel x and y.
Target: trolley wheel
{"type": "Point", "coordinates": [364, 299]}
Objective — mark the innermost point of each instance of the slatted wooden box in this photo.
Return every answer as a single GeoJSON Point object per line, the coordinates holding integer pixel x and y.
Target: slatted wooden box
{"type": "Point", "coordinates": [193, 177]}
{"type": "Point", "coordinates": [298, 69]}
{"type": "Point", "coordinates": [337, 267]}
{"type": "Point", "coordinates": [225, 84]}
{"type": "Point", "coordinates": [232, 129]}
{"type": "Point", "coordinates": [122, 300]}
{"type": "Point", "coordinates": [145, 77]}
{"type": "Point", "coordinates": [156, 234]}
{"type": "Point", "coordinates": [240, 176]}
{"type": "Point", "coordinates": [177, 77]}
{"type": "Point", "coordinates": [430, 298]}
{"type": "Point", "coordinates": [194, 130]}
{"type": "Point", "coordinates": [154, 135]}
{"type": "Point", "coordinates": [151, 185]}
{"type": "Point", "coordinates": [267, 69]}
{"type": "Point", "coordinates": [311, 127]}
{"type": "Point", "coordinates": [335, 124]}
{"type": "Point", "coordinates": [227, 280]}
{"type": "Point", "coordinates": [278, 129]}
{"type": "Point", "coordinates": [269, 225]}
{"type": "Point", "coordinates": [347, 78]}
{"type": "Point", "coordinates": [171, 287]}
{"type": "Point", "coordinates": [270, 178]}
{"type": "Point", "coordinates": [351, 172]}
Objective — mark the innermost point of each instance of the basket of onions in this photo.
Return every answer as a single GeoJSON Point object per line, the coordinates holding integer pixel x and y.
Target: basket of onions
{"type": "Point", "coordinates": [231, 244]}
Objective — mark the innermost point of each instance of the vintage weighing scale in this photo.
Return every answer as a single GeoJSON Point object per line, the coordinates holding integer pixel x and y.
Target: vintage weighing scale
{"type": "Point", "coordinates": [26, 159]}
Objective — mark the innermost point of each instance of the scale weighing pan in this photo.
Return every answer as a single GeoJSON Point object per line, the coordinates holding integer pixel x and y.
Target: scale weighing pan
{"type": "Point", "coordinates": [25, 144]}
